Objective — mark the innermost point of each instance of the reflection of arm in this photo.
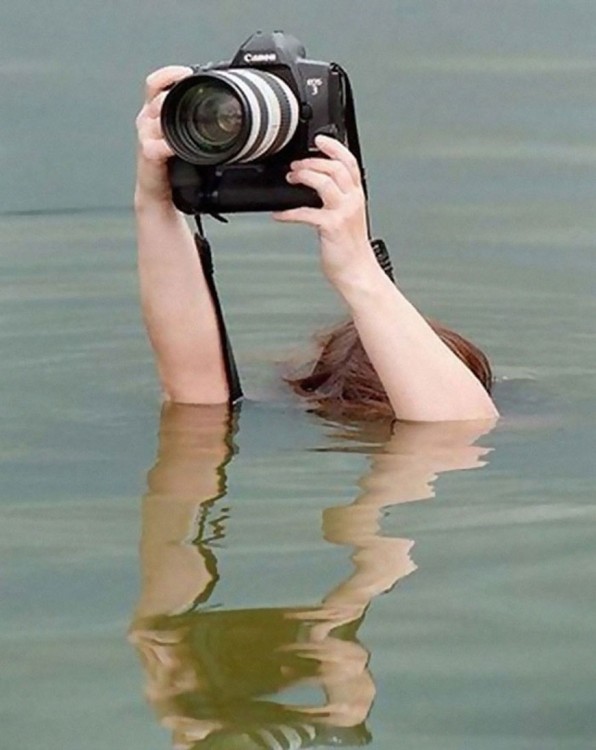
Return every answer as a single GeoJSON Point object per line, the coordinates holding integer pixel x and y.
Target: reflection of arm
{"type": "Point", "coordinates": [193, 446]}
{"type": "Point", "coordinates": [214, 672]}
{"type": "Point", "coordinates": [405, 471]}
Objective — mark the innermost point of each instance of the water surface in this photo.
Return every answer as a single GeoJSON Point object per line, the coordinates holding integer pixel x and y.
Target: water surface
{"type": "Point", "coordinates": [485, 554]}
{"type": "Point", "coordinates": [331, 583]}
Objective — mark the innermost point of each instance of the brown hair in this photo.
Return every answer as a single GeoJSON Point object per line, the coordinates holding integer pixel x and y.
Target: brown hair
{"type": "Point", "coordinates": [342, 382]}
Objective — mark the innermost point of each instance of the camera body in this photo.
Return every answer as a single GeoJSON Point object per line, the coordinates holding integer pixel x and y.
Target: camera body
{"type": "Point", "coordinates": [252, 176]}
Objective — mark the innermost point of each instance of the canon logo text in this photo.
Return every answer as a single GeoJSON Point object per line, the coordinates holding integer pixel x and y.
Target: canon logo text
{"type": "Point", "coordinates": [260, 57]}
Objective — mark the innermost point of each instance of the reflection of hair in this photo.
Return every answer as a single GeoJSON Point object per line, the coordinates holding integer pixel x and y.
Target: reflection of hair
{"type": "Point", "coordinates": [343, 380]}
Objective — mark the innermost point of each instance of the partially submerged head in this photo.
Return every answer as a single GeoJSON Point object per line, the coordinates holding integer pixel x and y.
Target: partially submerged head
{"type": "Point", "coordinates": [342, 381]}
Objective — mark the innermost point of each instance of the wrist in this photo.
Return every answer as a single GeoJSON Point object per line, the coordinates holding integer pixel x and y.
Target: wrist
{"type": "Point", "coordinates": [361, 282]}
{"type": "Point", "coordinates": [152, 201]}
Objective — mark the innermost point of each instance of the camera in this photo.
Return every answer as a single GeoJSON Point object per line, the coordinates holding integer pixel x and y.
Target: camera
{"type": "Point", "coordinates": [236, 126]}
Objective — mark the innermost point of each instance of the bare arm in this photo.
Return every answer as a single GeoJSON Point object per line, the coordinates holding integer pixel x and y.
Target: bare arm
{"type": "Point", "coordinates": [177, 308]}
{"type": "Point", "coordinates": [423, 378]}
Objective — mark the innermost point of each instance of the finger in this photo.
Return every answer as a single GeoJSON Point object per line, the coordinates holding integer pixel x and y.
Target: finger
{"type": "Point", "coordinates": [148, 127]}
{"type": "Point", "coordinates": [301, 215]}
{"type": "Point", "coordinates": [324, 185]}
{"type": "Point", "coordinates": [156, 149]}
{"type": "Point", "coordinates": [148, 120]}
{"type": "Point", "coordinates": [153, 108]}
{"type": "Point", "coordinates": [163, 77]}
{"type": "Point", "coordinates": [332, 167]}
{"type": "Point", "coordinates": [332, 148]}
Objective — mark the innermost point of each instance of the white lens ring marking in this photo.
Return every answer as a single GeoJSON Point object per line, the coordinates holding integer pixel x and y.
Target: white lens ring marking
{"type": "Point", "coordinates": [271, 81]}
{"type": "Point", "coordinates": [272, 115]}
{"type": "Point", "coordinates": [294, 111]}
{"type": "Point", "coordinates": [253, 108]}
{"type": "Point", "coordinates": [269, 97]}
{"type": "Point", "coordinates": [289, 113]}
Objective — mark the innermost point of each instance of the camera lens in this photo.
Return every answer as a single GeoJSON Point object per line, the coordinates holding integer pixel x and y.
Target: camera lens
{"type": "Point", "coordinates": [211, 117]}
{"type": "Point", "coordinates": [236, 115]}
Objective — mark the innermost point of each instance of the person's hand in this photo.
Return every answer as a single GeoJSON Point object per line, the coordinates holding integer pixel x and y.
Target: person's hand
{"type": "Point", "coordinates": [153, 152]}
{"type": "Point", "coordinates": [346, 253]}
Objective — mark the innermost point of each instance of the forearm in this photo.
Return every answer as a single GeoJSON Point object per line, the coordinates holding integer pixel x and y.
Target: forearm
{"type": "Point", "coordinates": [423, 378]}
{"type": "Point", "coordinates": [177, 307]}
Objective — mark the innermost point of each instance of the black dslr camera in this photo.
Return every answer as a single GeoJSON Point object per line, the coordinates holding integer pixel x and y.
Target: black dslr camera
{"type": "Point", "coordinates": [236, 126]}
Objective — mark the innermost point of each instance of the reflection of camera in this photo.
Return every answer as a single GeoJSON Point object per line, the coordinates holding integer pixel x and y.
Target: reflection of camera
{"type": "Point", "coordinates": [236, 126]}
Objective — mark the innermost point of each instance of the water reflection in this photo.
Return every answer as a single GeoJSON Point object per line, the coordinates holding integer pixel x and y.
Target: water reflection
{"type": "Point", "coordinates": [215, 677]}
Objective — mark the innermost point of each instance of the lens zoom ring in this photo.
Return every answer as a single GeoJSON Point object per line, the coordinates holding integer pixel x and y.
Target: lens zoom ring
{"type": "Point", "coordinates": [245, 82]}
{"type": "Point", "coordinates": [285, 106]}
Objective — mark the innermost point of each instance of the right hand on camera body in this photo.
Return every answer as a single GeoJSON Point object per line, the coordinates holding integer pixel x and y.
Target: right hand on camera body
{"type": "Point", "coordinates": [346, 254]}
{"type": "Point", "coordinates": [152, 185]}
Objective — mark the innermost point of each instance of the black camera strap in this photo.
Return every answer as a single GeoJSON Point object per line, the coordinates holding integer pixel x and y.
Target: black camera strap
{"type": "Point", "coordinates": [353, 141]}
{"type": "Point", "coordinates": [206, 258]}
{"type": "Point", "coordinates": [353, 144]}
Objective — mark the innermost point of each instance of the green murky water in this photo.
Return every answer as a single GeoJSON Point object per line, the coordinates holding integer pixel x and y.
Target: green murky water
{"type": "Point", "coordinates": [180, 578]}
